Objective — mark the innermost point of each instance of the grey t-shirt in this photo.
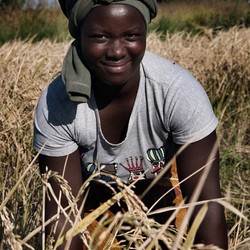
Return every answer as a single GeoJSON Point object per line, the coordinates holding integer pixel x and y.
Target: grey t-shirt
{"type": "Point", "coordinates": [171, 106]}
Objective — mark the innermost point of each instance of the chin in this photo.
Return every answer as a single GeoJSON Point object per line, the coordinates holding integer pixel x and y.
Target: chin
{"type": "Point", "coordinates": [115, 80]}
{"type": "Point", "coordinates": [116, 84]}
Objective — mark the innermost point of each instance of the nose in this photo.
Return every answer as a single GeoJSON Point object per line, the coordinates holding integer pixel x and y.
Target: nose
{"type": "Point", "coordinates": [116, 50]}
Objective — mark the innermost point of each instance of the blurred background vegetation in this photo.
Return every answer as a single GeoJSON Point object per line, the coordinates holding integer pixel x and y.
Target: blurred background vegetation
{"type": "Point", "coordinates": [208, 37]}
{"type": "Point", "coordinates": [20, 19]}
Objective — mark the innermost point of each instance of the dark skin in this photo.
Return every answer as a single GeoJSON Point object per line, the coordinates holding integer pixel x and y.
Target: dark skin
{"type": "Point", "coordinates": [113, 54]}
{"type": "Point", "coordinates": [213, 228]}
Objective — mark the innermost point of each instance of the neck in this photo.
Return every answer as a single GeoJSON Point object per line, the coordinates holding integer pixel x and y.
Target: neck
{"type": "Point", "coordinates": [106, 94]}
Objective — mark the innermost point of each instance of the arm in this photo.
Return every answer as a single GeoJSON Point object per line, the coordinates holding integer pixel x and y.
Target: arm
{"type": "Point", "coordinates": [73, 175]}
{"type": "Point", "coordinates": [213, 228]}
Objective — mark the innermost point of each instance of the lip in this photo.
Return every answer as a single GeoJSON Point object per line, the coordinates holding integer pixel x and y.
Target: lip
{"type": "Point", "coordinates": [116, 68]}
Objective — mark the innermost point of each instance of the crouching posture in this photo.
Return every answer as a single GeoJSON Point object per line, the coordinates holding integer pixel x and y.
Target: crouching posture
{"type": "Point", "coordinates": [119, 111]}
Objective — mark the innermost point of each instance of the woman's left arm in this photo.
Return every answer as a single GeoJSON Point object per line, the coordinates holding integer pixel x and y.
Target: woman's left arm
{"type": "Point", "coordinates": [213, 229]}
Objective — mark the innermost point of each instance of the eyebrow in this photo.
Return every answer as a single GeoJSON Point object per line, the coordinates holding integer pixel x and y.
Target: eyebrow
{"type": "Point", "coordinates": [102, 29]}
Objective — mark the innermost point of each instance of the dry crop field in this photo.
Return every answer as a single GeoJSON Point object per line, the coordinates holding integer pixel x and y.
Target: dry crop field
{"type": "Point", "coordinates": [220, 62]}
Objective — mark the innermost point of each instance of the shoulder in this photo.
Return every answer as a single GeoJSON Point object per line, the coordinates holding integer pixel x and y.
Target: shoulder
{"type": "Point", "coordinates": [54, 108]}
{"type": "Point", "coordinates": [54, 121]}
{"type": "Point", "coordinates": [162, 70]}
{"type": "Point", "coordinates": [150, 58]}
{"type": "Point", "coordinates": [169, 78]}
{"type": "Point", "coordinates": [55, 92]}
{"type": "Point", "coordinates": [55, 102]}
{"type": "Point", "coordinates": [186, 108]}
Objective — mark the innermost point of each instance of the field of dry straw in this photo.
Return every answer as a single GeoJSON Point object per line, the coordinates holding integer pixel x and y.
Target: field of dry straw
{"type": "Point", "coordinates": [220, 62]}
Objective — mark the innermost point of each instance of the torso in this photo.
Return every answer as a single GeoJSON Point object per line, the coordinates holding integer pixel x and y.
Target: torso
{"type": "Point", "coordinates": [115, 110]}
{"type": "Point", "coordinates": [115, 118]}
{"type": "Point", "coordinates": [144, 118]}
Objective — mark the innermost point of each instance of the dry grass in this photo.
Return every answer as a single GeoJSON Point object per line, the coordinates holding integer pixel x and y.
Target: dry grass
{"type": "Point", "coordinates": [180, 9]}
{"type": "Point", "coordinates": [221, 63]}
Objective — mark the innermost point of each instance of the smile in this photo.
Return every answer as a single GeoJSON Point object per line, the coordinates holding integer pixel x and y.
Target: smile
{"type": "Point", "coordinates": [115, 68]}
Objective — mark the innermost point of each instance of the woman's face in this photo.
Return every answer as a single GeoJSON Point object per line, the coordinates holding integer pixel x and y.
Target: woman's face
{"type": "Point", "coordinates": [113, 41]}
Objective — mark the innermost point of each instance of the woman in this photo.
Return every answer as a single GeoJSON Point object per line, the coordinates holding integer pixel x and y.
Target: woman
{"type": "Point", "coordinates": [121, 110]}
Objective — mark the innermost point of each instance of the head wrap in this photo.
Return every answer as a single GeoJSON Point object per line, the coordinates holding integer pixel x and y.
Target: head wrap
{"type": "Point", "coordinates": [76, 11]}
{"type": "Point", "coordinates": [74, 74]}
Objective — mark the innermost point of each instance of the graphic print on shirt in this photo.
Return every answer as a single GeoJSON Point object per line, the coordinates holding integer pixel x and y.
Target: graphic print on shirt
{"type": "Point", "coordinates": [89, 168]}
{"type": "Point", "coordinates": [134, 165]}
{"type": "Point", "coordinates": [135, 168]}
{"type": "Point", "coordinates": [156, 156]}
{"type": "Point", "coordinates": [106, 169]}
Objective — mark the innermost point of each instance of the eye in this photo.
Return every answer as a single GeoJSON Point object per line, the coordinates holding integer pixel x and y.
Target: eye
{"type": "Point", "coordinates": [132, 37]}
{"type": "Point", "coordinates": [99, 38]}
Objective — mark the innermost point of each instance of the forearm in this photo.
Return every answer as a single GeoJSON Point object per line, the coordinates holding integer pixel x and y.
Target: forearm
{"type": "Point", "coordinates": [213, 229]}
{"type": "Point", "coordinates": [72, 173]}
{"type": "Point", "coordinates": [59, 229]}
{"type": "Point", "coordinates": [197, 155]}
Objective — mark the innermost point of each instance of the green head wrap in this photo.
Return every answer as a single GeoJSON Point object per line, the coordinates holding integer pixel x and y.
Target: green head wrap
{"type": "Point", "coordinates": [76, 11]}
{"type": "Point", "coordinates": [74, 74]}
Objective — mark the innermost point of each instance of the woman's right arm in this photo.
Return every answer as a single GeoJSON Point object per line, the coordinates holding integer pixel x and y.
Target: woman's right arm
{"type": "Point", "coordinates": [73, 175]}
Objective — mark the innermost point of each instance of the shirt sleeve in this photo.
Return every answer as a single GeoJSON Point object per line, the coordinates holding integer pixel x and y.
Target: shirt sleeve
{"type": "Point", "coordinates": [54, 122]}
{"type": "Point", "coordinates": [190, 116]}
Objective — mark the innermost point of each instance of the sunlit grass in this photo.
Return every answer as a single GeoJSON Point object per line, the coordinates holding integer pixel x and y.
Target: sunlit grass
{"type": "Point", "coordinates": [178, 15]}
{"type": "Point", "coordinates": [195, 16]}
{"type": "Point", "coordinates": [220, 62]}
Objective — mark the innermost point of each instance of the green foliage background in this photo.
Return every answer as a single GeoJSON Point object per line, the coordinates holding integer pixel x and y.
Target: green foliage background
{"type": "Point", "coordinates": [176, 15]}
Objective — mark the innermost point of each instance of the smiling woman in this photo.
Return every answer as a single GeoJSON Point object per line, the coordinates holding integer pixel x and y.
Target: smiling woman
{"type": "Point", "coordinates": [113, 53]}
{"type": "Point", "coordinates": [119, 112]}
